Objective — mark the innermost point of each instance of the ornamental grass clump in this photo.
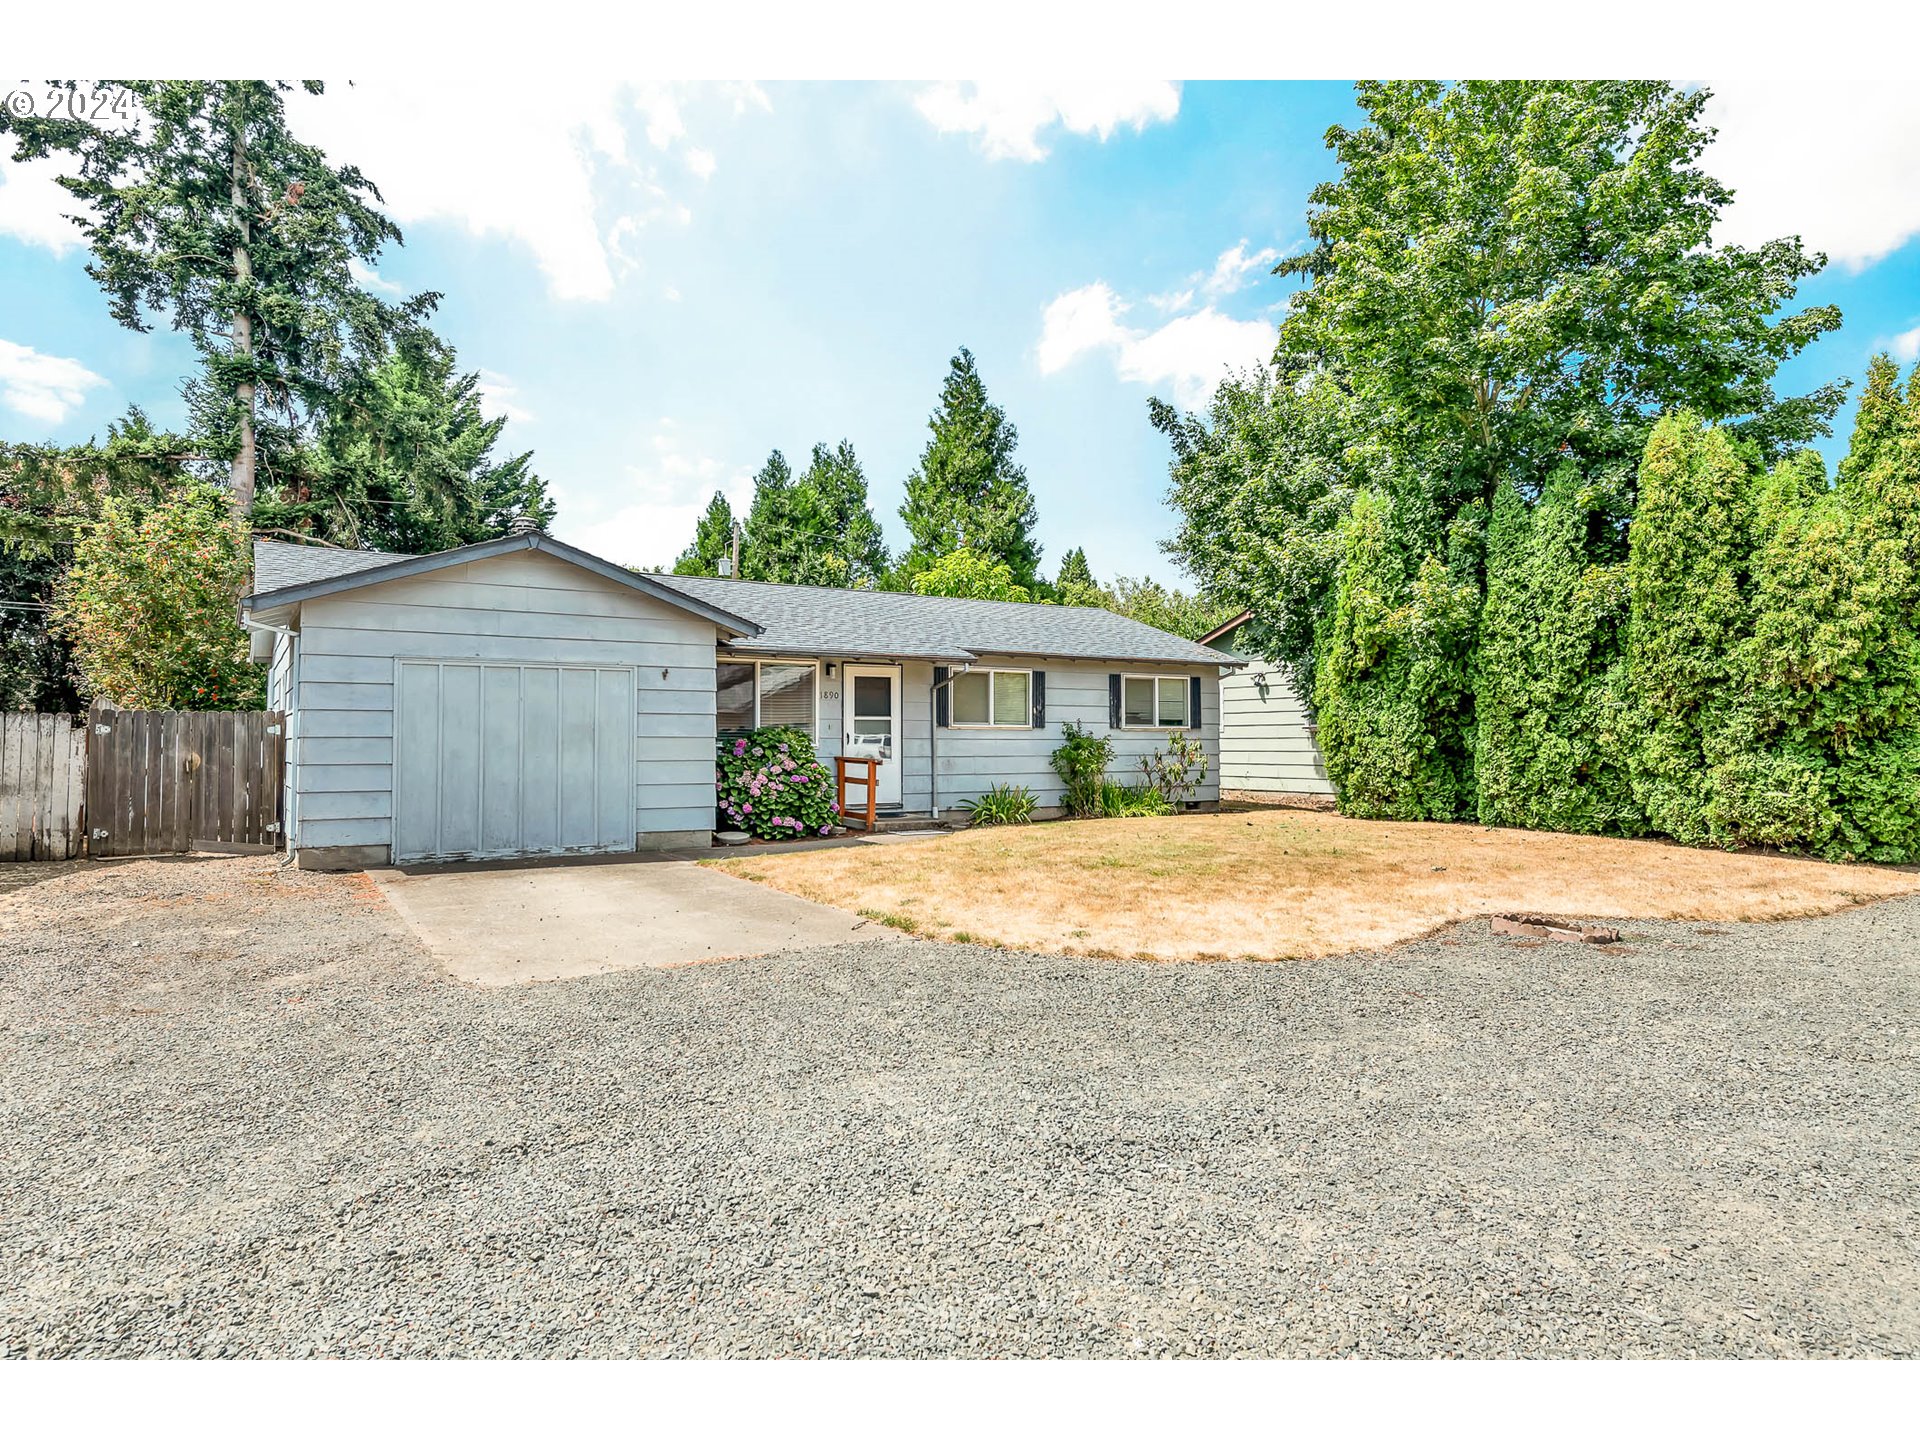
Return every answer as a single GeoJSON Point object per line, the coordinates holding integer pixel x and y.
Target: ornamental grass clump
{"type": "Point", "coordinates": [771, 784]}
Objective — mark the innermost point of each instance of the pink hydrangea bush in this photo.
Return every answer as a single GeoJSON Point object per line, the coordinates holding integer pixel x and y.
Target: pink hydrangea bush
{"type": "Point", "coordinates": [771, 785]}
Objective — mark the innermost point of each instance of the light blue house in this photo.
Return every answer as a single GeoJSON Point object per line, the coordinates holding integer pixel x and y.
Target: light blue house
{"type": "Point", "coordinates": [521, 697]}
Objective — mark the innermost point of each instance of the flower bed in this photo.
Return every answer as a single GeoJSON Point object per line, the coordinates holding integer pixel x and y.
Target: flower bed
{"type": "Point", "coordinates": [771, 785]}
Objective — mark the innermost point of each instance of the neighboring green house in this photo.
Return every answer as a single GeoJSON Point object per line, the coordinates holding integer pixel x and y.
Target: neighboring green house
{"type": "Point", "coordinates": [1267, 742]}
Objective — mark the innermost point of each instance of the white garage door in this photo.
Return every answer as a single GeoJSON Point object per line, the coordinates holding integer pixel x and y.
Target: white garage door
{"type": "Point", "coordinates": [501, 760]}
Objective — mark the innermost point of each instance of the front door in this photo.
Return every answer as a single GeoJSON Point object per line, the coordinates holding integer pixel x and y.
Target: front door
{"type": "Point", "coordinates": [873, 728]}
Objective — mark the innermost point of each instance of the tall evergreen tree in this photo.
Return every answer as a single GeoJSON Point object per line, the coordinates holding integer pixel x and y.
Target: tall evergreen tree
{"type": "Point", "coordinates": [1074, 569]}
{"type": "Point", "coordinates": [967, 492]}
{"type": "Point", "coordinates": [848, 548]}
{"type": "Point", "coordinates": [1878, 422]}
{"type": "Point", "coordinates": [1691, 609]}
{"type": "Point", "coordinates": [712, 540]}
{"type": "Point", "coordinates": [776, 544]}
{"type": "Point", "coordinates": [1552, 717]}
{"type": "Point", "coordinates": [209, 212]}
{"type": "Point", "coordinates": [404, 461]}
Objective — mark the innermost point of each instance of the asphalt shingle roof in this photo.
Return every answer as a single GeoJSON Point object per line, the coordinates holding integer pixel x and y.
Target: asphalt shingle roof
{"type": "Point", "coordinates": [277, 565]}
{"type": "Point", "coordinates": [803, 620]}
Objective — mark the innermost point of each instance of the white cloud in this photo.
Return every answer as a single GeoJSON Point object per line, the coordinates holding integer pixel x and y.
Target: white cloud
{"type": "Point", "coordinates": [34, 208]}
{"type": "Point", "coordinates": [1191, 353]}
{"type": "Point", "coordinates": [43, 387]}
{"type": "Point", "coordinates": [1830, 159]}
{"type": "Point", "coordinates": [1009, 116]}
{"type": "Point", "coordinates": [1237, 268]}
{"type": "Point", "coordinates": [1906, 346]}
{"type": "Point", "coordinates": [651, 519]}
{"type": "Point", "coordinates": [501, 396]}
{"type": "Point", "coordinates": [559, 178]}
{"type": "Point", "coordinates": [368, 278]}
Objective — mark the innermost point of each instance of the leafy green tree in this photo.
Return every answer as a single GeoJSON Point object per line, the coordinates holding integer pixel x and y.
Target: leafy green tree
{"type": "Point", "coordinates": [780, 529]}
{"type": "Point", "coordinates": [967, 493]}
{"type": "Point", "coordinates": [1552, 715]}
{"type": "Point", "coordinates": [48, 494]}
{"type": "Point", "coordinates": [1506, 271]}
{"type": "Point", "coordinates": [1174, 611]}
{"type": "Point", "coordinates": [209, 212]}
{"type": "Point", "coordinates": [712, 540]}
{"type": "Point", "coordinates": [1690, 610]}
{"type": "Point", "coordinates": [1260, 485]}
{"type": "Point", "coordinates": [147, 606]}
{"type": "Point", "coordinates": [969, 575]}
{"type": "Point", "coordinates": [404, 461]}
{"type": "Point", "coordinates": [851, 550]}
{"type": "Point", "coordinates": [1878, 422]}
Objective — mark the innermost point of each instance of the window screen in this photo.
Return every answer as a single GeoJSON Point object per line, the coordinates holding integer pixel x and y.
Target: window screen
{"type": "Point", "coordinates": [1173, 702]}
{"type": "Point", "coordinates": [786, 696]}
{"type": "Point", "coordinates": [735, 702]}
{"type": "Point", "coordinates": [1139, 701]}
{"type": "Point", "coordinates": [970, 696]}
{"type": "Point", "coordinates": [1010, 704]}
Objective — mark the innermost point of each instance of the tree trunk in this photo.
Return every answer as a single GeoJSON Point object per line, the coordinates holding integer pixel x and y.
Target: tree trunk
{"type": "Point", "coordinates": [245, 459]}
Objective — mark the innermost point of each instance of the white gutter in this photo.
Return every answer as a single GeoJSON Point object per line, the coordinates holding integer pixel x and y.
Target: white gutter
{"type": "Point", "coordinates": [933, 733]}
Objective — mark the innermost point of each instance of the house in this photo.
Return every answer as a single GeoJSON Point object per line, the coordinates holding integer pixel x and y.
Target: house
{"type": "Point", "coordinates": [522, 697]}
{"type": "Point", "coordinates": [1267, 745]}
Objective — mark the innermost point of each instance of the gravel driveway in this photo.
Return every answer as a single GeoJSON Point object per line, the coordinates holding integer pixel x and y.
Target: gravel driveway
{"type": "Point", "coordinates": [243, 1114]}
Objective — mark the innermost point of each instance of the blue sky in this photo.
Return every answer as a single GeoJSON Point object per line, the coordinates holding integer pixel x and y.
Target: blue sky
{"type": "Point", "coordinates": [662, 283]}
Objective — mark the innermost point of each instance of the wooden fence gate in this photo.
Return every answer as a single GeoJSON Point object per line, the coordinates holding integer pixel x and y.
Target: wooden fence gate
{"type": "Point", "coordinates": [42, 764]}
{"type": "Point", "coordinates": [164, 782]}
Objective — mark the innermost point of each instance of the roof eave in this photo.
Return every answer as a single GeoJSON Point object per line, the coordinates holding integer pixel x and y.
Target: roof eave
{"type": "Point", "coordinates": [486, 550]}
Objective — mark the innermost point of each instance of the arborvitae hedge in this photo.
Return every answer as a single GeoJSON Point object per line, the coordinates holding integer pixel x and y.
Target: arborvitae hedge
{"type": "Point", "coordinates": [1393, 688]}
{"type": "Point", "coordinates": [1554, 721]}
{"type": "Point", "coordinates": [1748, 674]}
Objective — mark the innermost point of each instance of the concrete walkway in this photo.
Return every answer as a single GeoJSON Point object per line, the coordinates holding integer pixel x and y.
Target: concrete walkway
{"type": "Point", "coordinates": [511, 924]}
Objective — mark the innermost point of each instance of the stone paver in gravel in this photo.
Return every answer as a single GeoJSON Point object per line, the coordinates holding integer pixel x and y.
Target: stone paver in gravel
{"type": "Point", "coordinates": [244, 1114]}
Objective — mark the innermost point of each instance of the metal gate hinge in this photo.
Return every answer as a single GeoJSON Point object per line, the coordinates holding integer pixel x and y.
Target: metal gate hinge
{"type": "Point", "coordinates": [273, 729]}
{"type": "Point", "coordinates": [273, 828]}
{"type": "Point", "coordinates": [103, 729]}
{"type": "Point", "coordinates": [96, 834]}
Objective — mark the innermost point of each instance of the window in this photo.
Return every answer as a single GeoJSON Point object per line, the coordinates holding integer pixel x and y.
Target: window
{"type": "Point", "coordinates": [993, 697]}
{"type": "Point", "coordinates": [753, 693]}
{"type": "Point", "coordinates": [1154, 702]}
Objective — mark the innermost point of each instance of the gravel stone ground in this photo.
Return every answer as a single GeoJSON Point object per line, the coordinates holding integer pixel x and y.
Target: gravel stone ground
{"type": "Point", "coordinates": [244, 1115]}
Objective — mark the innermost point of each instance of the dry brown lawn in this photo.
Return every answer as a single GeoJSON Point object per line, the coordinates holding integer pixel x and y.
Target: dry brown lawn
{"type": "Point", "coordinates": [1282, 884]}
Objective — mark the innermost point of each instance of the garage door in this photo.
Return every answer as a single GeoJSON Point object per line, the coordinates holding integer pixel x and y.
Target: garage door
{"type": "Point", "coordinates": [497, 760]}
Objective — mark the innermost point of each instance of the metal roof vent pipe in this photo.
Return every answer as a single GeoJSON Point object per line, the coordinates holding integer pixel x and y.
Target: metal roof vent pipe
{"type": "Point", "coordinates": [524, 525]}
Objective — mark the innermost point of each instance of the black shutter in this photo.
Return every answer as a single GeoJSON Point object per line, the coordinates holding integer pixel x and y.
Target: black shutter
{"type": "Point", "coordinates": [1039, 699]}
{"type": "Point", "coordinates": [1193, 704]}
{"type": "Point", "coordinates": [940, 695]}
{"type": "Point", "coordinates": [1113, 702]}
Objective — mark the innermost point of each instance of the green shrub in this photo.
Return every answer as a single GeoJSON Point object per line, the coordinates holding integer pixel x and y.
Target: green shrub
{"type": "Point", "coordinates": [1120, 802]}
{"type": "Point", "coordinates": [1081, 763]}
{"type": "Point", "coordinates": [1552, 718]}
{"type": "Point", "coordinates": [1002, 805]}
{"type": "Point", "coordinates": [771, 784]}
{"type": "Point", "coordinates": [1394, 684]}
{"type": "Point", "coordinates": [1177, 772]}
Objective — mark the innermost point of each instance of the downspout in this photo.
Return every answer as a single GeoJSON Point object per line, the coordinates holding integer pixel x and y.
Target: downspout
{"type": "Point", "coordinates": [933, 733]}
{"type": "Point", "coordinates": [293, 704]}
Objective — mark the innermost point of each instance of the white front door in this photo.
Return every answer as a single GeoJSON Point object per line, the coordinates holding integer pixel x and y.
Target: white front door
{"type": "Point", "coordinates": [872, 713]}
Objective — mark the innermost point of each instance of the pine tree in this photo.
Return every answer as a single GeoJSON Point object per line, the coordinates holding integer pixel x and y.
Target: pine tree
{"type": "Point", "coordinates": [1074, 569]}
{"type": "Point", "coordinates": [210, 213]}
{"type": "Point", "coordinates": [1877, 423]}
{"type": "Point", "coordinates": [967, 492]}
{"type": "Point", "coordinates": [846, 545]}
{"type": "Point", "coordinates": [712, 540]}
{"type": "Point", "coordinates": [771, 548]}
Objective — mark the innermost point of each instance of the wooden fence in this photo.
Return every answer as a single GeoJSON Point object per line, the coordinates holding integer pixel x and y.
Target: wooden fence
{"type": "Point", "coordinates": [163, 782]}
{"type": "Point", "coordinates": [42, 765]}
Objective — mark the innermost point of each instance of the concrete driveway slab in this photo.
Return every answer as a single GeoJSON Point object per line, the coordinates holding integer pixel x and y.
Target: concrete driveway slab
{"type": "Point", "coordinates": [515, 924]}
